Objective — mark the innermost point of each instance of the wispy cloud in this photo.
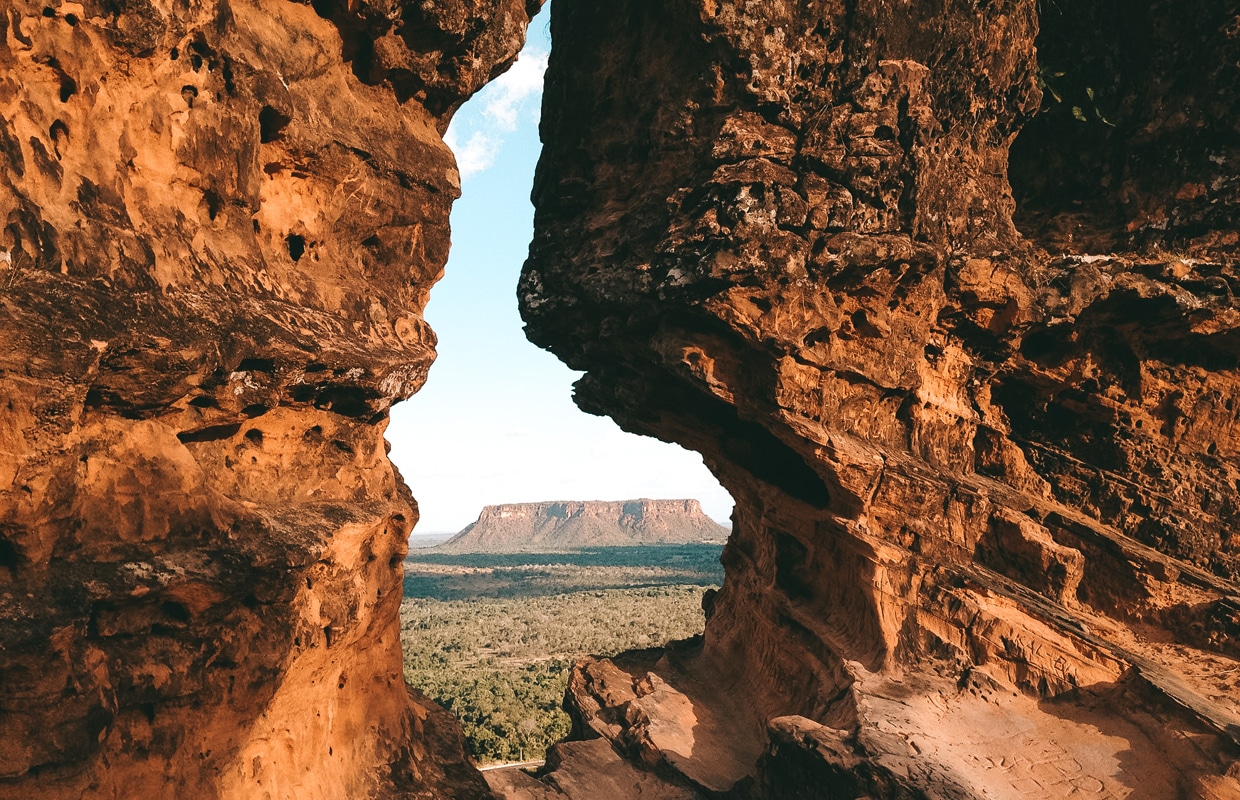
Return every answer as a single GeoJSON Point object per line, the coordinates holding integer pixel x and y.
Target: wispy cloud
{"type": "Point", "coordinates": [477, 133]}
{"type": "Point", "coordinates": [476, 154]}
{"type": "Point", "coordinates": [524, 80]}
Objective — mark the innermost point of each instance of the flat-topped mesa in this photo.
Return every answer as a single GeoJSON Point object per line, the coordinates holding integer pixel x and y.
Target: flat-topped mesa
{"type": "Point", "coordinates": [782, 234]}
{"type": "Point", "coordinates": [562, 525]}
{"type": "Point", "coordinates": [219, 224]}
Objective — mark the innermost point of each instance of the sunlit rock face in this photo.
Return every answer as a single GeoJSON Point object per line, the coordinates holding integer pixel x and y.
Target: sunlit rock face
{"type": "Point", "coordinates": [220, 222]}
{"type": "Point", "coordinates": [985, 474]}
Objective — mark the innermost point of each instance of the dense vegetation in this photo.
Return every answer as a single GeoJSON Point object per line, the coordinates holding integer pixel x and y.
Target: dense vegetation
{"type": "Point", "coordinates": [492, 638]}
{"type": "Point", "coordinates": [444, 576]}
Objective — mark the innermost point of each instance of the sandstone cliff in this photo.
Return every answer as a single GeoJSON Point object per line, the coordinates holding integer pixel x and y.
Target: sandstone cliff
{"type": "Point", "coordinates": [540, 527]}
{"type": "Point", "coordinates": [219, 222]}
{"type": "Point", "coordinates": [980, 432]}
{"type": "Point", "coordinates": [968, 369]}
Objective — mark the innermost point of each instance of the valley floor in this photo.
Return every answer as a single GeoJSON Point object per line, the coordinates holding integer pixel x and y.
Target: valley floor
{"type": "Point", "coordinates": [492, 637]}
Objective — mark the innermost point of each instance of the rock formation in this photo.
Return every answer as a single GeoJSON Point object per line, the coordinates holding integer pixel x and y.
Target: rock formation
{"type": "Point", "coordinates": [220, 222]}
{"type": "Point", "coordinates": [945, 296]}
{"type": "Point", "coordinates": [541, 527]}
{"type": "Point", "coordinates": [969, 371]}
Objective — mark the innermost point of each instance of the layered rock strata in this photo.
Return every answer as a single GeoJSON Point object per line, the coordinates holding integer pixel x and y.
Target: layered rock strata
{"type": "Point", "coordinates": [539, 527]}
{"type": "Point", "coordinates": [985, 475]}
{"type": "Point", "coordinates": [219, 222]}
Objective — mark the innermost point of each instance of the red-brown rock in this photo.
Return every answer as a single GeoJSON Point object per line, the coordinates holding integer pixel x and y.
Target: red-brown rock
{"type": "Point", "coordinates": [986, 492]}
{"type": "Point", "coordinates": [220, 222]}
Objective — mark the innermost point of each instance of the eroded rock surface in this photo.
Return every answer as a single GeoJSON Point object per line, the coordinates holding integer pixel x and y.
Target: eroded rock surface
{"type": "Point", "coordinates": [220, 222]}
{"type": "Point", "coordinates": [986, 480]}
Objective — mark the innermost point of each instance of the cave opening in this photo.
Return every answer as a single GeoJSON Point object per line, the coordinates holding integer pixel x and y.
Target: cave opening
{"type": "Point", "coordinates": [491, 634]}
{"type": "Point", "coordinates": [1136, 124]}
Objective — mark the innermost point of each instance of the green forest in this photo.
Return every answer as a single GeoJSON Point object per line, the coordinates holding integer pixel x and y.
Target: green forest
{"type": "Point", "coordinates": [492, 637]}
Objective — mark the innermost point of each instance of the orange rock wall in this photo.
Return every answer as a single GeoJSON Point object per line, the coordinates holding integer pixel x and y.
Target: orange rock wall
{"type": "Point", "coordinates": [219, 222]}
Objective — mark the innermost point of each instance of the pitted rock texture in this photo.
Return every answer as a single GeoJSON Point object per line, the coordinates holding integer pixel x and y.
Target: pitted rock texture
{"type": "Point", "coordinates": [984, 481]}
{"type": "Point", "coordinates": [572, 524]}
{"type": "Point", "coordinates": [219, 222]}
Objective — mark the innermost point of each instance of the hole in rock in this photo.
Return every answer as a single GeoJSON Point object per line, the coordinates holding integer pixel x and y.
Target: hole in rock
{"type": "Point", "coordinates": [213, 433]}
{"type": "Point", "coordinates": [495, 424]}
{"type": "Point", "coordinates": [270, 123]}
{"type": "Point", "coordinates": [296, 246]}
{"type": "Point", "coordinates": [357, 44]}
{"type": "Point", "coordinates": [256, 365]}
{"type": "Point", "coordinates": [10, 558]}
{"type": "Point", "coordinates": [214, 203]}
{"type": "Point", "coordinates": [177, 612]}
{"type": "Point", "coordinates": [347, 401]}
{"type": "Point", "coordinates": [59, 133]}
{"type": "Point", "coordinates": [72, 19]}
{"type": "Point", "coordinates": [68, 87]}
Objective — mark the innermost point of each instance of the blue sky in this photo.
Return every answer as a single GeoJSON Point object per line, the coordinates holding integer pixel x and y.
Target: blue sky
{"type": "Point", "coordinates": [495, 422]}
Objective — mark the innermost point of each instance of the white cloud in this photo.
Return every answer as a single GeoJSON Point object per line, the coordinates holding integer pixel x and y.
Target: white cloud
{"type": "Point", "coordinates": [476, 155]}
{"type": "Point", "coordinates": [505, 95]}
{"type": "Point", "coordinates": [496, 111]}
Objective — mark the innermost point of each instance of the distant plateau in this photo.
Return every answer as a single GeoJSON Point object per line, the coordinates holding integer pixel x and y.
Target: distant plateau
{"type": "Point", "coordinates": [567, 525]}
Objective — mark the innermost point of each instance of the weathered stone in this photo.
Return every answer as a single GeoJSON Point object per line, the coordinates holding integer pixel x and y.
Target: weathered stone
{"type": "Point", "coordinates": [962, 457]}
{"type": "Point", "coordinates": [986, 482]}
{"type": "Point", "coordinates": [592, 769]}
{"type": "Point", "coordinates": [219, 222]}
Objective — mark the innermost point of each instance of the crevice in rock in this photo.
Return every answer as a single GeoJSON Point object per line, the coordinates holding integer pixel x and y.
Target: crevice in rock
{"type": "Point", "coordinates": [212, 433]}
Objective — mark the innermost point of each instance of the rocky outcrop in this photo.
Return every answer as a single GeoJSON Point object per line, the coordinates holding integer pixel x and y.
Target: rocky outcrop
{"type": "Point", "coordinates": [979, 432]}
{"type": "Point", "coordinates": [220, 222]}
{"type": "Point", "coordinates": [541, 527]}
